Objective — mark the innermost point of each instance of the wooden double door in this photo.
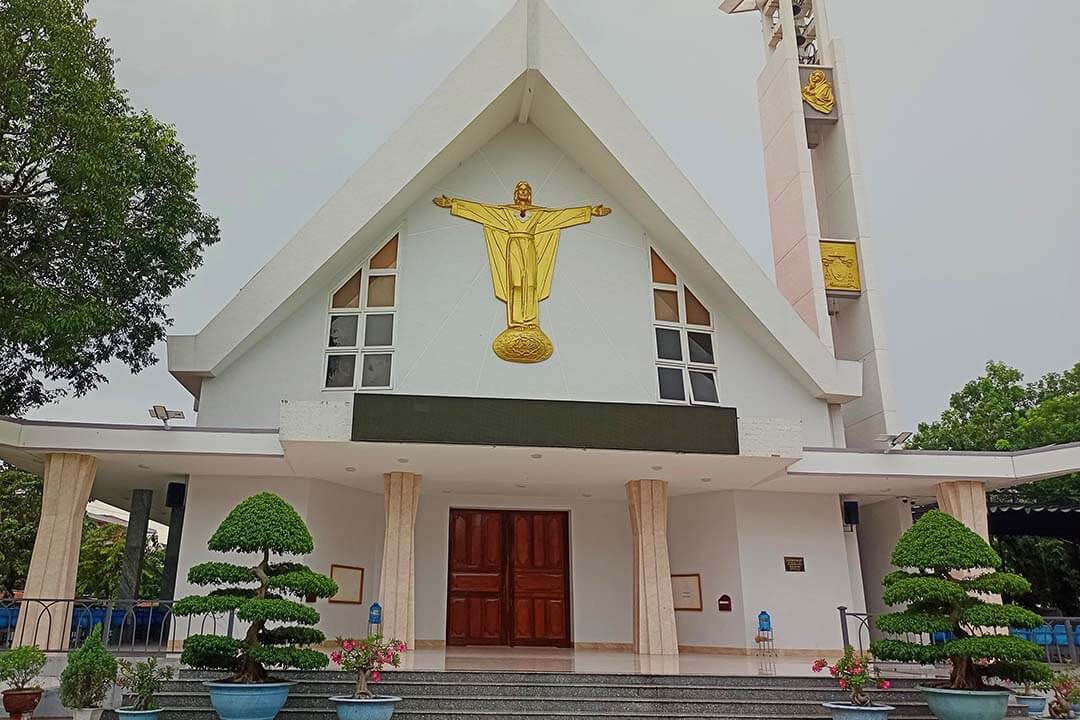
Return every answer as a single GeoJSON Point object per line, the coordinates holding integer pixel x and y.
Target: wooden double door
{"type": "Point", "coordinates": [509, 578]}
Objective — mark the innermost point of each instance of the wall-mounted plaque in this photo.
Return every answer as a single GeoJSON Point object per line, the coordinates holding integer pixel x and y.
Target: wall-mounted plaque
{"type": "Point", "coordinates": [350, 581]}
{"type": "Point", "coordinates": [794, 564]}
{"type": "Point", "coordinates": [723, 603]}
{"type": "Point", "coordinates": [686, 591]}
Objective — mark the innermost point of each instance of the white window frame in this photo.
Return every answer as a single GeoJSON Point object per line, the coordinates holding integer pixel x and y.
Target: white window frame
{"type": "Point", "coordinates": [361, 312]}
{"type": "Point", "coordinates": [683, 327]}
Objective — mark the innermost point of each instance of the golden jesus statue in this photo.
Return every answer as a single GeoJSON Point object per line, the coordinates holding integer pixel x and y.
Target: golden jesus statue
{"type": "Point", "coordinates": [522, 239]}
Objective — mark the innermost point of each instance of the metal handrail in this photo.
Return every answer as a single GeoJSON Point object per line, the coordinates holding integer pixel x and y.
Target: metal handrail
{"type": "Point", "coordinates": [129, 627]}
{"type": "Point", "coordinates": [1046, 637]}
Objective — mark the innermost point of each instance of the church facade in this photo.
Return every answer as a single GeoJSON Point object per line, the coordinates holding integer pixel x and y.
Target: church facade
{"type": "Point", "coordinates": [526, 388]}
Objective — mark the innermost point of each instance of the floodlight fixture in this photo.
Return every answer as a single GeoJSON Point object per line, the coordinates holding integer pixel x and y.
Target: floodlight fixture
{"type": "Point", "coordinates": [894, 441]}
{"type": "Point", "coordinates": [164, 414]}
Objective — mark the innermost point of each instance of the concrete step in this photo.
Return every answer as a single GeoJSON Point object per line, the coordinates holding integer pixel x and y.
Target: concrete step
{"type": "Point", "coordinates": [477, 695]}
{"type": "Point", "coordinates": [495, 689]}
{"type": "Point", "coordinates": [459, 677]}
{"type": "Point", "coordinates": [584, 706]}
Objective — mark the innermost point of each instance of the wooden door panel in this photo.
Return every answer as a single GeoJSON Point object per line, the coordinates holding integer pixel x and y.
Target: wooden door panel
{"type": "Point", "coordinates": [476, 579]}
{"type": "Point", "coordinates": [539, 582]}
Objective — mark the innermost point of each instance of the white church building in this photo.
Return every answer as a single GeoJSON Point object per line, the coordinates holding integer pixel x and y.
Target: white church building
{"type": "Point", "coordinates": [573, 414]}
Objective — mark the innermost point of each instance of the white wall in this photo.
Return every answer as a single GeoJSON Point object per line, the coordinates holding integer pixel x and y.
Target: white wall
{"type": "Point", "coordinates": [601, 563]}
{"type": "Point", "coordinates": [703, 538]}
{"type": "Point", "coordinates": [598, 315]}
{"type": "Point", "coordinates": [346, 525]}
{"type": "Point", "coordinates": [802, 605]}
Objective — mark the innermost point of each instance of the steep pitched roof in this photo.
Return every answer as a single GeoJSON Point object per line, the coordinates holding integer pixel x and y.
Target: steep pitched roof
{"type": "Point", "coordinates": [527, 68]}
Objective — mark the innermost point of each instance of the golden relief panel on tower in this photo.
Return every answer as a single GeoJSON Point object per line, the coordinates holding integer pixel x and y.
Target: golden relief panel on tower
{"type": "Point", "coordinates": [818, 91]}
{"type": "Point", "coordinates": [840, 264]}
{"type": "Point", "coordinates": [522, 240]}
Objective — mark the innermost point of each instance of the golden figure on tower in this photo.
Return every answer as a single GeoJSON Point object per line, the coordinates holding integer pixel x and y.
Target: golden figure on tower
{"type": "Point", "coordinates": [818, 92]}
{"type": "Point", "coordinates": [522, 240]}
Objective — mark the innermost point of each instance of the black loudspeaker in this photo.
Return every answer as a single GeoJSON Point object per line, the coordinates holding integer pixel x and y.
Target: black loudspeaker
{"type": "Point", "coordinates": [174, 494]}
{"type": "Point", "coordinates": [851, 512]}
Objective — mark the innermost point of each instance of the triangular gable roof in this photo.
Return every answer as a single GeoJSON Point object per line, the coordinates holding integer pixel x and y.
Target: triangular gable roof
{"type": "Point", "coordinates": [528, 67]}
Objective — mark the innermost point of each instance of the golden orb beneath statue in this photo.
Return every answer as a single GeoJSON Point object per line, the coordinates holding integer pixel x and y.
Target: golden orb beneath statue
{"type": "Point", "coordinates": [523, 344]}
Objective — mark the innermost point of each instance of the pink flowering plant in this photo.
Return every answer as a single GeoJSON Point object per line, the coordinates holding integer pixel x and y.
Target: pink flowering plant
{"type": "Point", "coordinates": [853, 672]}
{"type": "Point", "coordinates": [367, 658]}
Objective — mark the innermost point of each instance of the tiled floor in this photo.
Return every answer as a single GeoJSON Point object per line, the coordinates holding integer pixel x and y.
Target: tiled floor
{"type": "Point", "coordinates": [600, 661]}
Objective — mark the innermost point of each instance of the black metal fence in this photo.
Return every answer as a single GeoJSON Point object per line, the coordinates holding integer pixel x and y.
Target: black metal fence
{"type": "Point", "coordinates": [127, 627]}
{"type": "Point", "coordinates": [1059, 637]}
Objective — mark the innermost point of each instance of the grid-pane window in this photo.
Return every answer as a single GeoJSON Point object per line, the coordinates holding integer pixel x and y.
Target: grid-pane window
{"type": "Point", "coordinates": [359, 352]}
{"type": "Point", "coordinates": [685, 352]}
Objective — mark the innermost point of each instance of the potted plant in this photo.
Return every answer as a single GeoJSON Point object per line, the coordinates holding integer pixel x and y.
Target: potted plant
{"type": "Point", "coordinates": [854, 672]}
{"type": "Point", "coordinates": [1066, 700]}
{"type": "Point", "coordinates": [950, 571]}
{"type": "Point", "coordinates": [141, 680]}
{"type": "Point", "coordinates": [1032, 699]}
{"type": "Point", "coordinates": [367, 658]}
{"type": "Point", "coordinates": [87, 678]}
{"type": "Point", "coordinates": [265, 525]}
{"type": "Point", "coordinates": [18, 668]}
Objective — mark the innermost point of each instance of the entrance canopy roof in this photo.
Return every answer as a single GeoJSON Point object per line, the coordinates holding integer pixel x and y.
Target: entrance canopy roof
{"type": "Point", "coordinates": [143, 456]}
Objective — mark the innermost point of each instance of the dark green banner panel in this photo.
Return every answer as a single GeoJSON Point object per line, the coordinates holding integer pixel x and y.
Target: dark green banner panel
{"type": "Point", "coordinates": [544, 423]}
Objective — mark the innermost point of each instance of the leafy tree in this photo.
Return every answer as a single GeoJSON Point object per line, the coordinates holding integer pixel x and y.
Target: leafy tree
{"type": "Point", "coordinates": [262, 524]}
{"type": "Point", "coordinates": [102, 556]}
{"type": "Point", "coordinates": [941, 599]}
{"type": "Point", "coordinates": [20, 508]}
{"type": "Point", "coordinates": [98, 217]}
{"type": "Point", "coordinates": [999, 411]}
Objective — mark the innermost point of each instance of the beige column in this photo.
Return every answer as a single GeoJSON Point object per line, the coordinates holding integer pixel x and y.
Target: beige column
{"type": "Point", "coordinates": [965, 500]}
{"type": "Point", "coordinates": [397, 583]}
{"type": "Point", "coordinates": [654, 609]}
{"type": "Point", "coordinates": [68, 479]}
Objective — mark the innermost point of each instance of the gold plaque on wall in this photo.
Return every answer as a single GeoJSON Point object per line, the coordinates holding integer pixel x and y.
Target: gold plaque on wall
{"type": "Point", "coordinates": [840, 264]}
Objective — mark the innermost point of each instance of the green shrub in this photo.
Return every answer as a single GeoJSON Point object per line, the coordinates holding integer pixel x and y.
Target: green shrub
{"type": "Point", "coordinates": [264, 524]}
{"type": "Point", "coordinates": [20, 666]}
{"type": "Point", "coordinates": [947, 566]}
{"type": "Point", "coordinates": [89, 674]}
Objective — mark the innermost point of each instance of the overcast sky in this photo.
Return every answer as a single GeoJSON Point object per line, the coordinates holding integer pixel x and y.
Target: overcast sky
{"type": "Point", "coordinates": [967, 119]}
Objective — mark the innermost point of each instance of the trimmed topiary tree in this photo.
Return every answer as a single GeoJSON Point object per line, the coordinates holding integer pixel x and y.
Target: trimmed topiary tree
{"type": "Point", "coordinates": [264, 524]}
{"type": "Point", "coordinates": [950, 571]}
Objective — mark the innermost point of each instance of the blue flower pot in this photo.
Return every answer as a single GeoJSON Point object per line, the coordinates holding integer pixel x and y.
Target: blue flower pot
{"type": "Point", "coordinates": [126, 714]}
{"type": "Point", "coordinates": [948, 704]}
{"type": "Point", "coordinates": [380, 707]}
{"type": "Point", "coordinates": [248, 701]}
{"type": "Point", "coordinates": [847, 711]}
{"type": "Point", "coordinates": [1035, 704]}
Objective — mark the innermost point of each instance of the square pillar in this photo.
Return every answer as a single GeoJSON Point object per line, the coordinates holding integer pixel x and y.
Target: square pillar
{"type": "Point", "coordinates": [67, 481]}
{"type": "Point", "coordinates": [176, 501]}
{"type": "Point", "coordinates": [397, 583]}
{"type": "Point", "coordinates": [965, 500]}
{"type": "Point", "coordinates": [135, 543]}
{"type": "Point", "coordinates": [654, 607]}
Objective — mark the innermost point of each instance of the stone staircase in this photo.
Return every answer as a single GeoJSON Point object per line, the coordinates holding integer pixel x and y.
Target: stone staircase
{"type": "Point", "coordinates": [474, 695]}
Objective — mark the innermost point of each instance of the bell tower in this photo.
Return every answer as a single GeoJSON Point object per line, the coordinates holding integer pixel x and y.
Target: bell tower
{"type": "Point", "coordinates": [823, 252]}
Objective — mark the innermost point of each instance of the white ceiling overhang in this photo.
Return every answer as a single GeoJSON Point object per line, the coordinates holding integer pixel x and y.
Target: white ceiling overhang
{"type": "Point", "coordinates": [145, 456]}
{"type": "Point", "coordinates": [527, 68]}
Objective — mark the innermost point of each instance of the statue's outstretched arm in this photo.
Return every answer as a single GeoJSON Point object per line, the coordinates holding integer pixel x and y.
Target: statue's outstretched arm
{"type": "Point", "coordinates": [489, 215]}
{"type": "Point", "coordinates": [443, 201]}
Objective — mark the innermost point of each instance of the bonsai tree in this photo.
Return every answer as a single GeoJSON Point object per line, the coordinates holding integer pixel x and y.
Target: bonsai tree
{"type": "Point", "coordinates": [950, 571]}
{"type": "Point", "coordinates": [89, 674]}
{"type": "Point", "coordinates": [853, 672]}
{"type": "Point", "coordinates": [20, 666]}
{"type": "Point", "coordinates": [367, 658]}
{"type": "Point", "coordinates": [141, 681]}
{"type": "Point", "coordinates": [264, 524]}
